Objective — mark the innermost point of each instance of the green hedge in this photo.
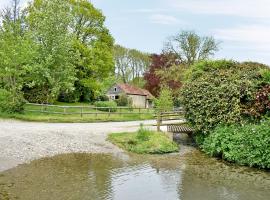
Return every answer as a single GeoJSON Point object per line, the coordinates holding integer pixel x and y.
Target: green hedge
{"type": "Point", "coordinates": [218, 92]}
{"type": "Point", "coordinates": [245, 145]}
{"type": "Point", "coordinates": [106, 106]}
{"type": "Point", "coordinates": [10, 103]}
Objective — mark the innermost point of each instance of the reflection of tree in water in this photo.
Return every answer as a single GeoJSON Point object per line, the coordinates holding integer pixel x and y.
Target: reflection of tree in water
{"type": "Point", "coordinates": [61, 177]}
{"type": "Point", "coordinates": [83, 176]}
{"type": "Point", "coordinates": [207, 179]}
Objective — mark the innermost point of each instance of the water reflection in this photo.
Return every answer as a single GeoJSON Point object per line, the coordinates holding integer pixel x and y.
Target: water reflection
{"type": "Point", "coordinates": [128, 177]}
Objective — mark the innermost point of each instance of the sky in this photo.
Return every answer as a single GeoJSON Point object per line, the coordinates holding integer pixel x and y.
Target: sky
{"type": "Point", "coordinates": [242, 26]}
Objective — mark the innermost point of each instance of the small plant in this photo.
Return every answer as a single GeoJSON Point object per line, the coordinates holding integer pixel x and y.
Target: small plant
{"type": "Point", "coordinates": [143, 134]}
{"type": "Point", "coordinates": [106, 106]}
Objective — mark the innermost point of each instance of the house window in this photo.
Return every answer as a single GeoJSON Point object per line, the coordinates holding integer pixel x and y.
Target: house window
{"type": "Point", "coordinates": [115, 89]}
{"type": "Point", "coordinates": [116, 97]}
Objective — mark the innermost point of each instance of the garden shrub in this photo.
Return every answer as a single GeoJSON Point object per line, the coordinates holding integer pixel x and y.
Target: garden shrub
{"type": "Point", "coordinates": [106, 106]}
{"type": "Point", "coordinates": [218, 92]}
{"type": "Point", "coordinates": [9, 103]}
{"type": "Point", "coordinates": [36, 94]}
{"type": "Point", "coordinates": [245, 145]}
{"type": "Point", "coordinates": [103, 98]}
{"type": "Point", "coordinates": [69, 97]}
{"type": "Point", "coordinates": [124, 100]}
{"type": "Point", "coordinates": [164, 102]}
{"type": "Point", "coordinates": [261, 105]}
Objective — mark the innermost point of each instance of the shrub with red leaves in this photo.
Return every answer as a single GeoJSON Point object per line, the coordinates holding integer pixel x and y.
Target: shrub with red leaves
{"type": "Point", "coordinates": [153, 81]}
{"type": "Point", "coordinates": [263, 100]}
{"type": "Point", "coordinates": [261, 104]}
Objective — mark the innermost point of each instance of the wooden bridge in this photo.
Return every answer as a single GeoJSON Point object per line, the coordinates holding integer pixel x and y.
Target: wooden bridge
{"type": "Point", "coordinates": [175, 122]}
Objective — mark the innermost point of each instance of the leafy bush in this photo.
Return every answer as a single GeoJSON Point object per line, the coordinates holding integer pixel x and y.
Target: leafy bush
{"type": "Point", "coordinates": [219, 92]}
{"type": "Point", "coordinates": [165, 100]}
{"type": "Point", "coordinates": [106, 106]}
{"type": "Point", "coordinates": [103, 98]}
{"type": "Point", "coordinates": [245, 145]}
{"type": "Point", "coordinates": [36, 94]}
{"type": "Point", "coordinates": [124, 100]}
{"type": "Point", "coordinates": [9, 103]}
{"type": "Point", "coordinates": [265, 73]}
{"type": "Point", "coordinates": [69, 97]}
{"type": "Point", "coordinates": [261, 104]}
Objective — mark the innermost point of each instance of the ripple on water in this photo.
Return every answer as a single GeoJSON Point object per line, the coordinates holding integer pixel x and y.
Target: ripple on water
{"type": "Point", "coordinates": [193, 176]}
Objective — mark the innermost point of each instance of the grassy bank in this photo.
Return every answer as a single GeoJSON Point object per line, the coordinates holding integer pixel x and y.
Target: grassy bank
{"type": "Point", "coordinates": [144, 142]}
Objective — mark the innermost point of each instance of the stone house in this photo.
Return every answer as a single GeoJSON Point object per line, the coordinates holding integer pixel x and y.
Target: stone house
{"type": "Point", "coordinates": [141, 98]}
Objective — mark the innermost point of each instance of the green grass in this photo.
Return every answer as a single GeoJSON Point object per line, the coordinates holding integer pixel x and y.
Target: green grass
{"type": "Point", "coordinates": [150, 143]}
{"type": "Point", "coordinates": [76, 118]}
{"type": "Point", "coordinates": [130, 115]}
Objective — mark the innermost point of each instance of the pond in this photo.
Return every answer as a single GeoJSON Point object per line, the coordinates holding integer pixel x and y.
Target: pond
{"type": "Point", "coordinates": [192, 176]}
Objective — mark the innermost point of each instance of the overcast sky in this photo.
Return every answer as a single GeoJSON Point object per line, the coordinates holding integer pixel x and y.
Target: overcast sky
{"type": "Point", "coordinates": [243, 26]}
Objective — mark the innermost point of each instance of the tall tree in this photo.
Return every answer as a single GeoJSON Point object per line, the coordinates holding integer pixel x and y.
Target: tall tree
{"type": "Point", "coordinates": [94, 43]}
{"type": "Point", "coordinates": [17, 50]}
{"type": "Point", "coordinates": [190, 47]}
{"type": "Point", "coordinates": [130, 64]}
{"type": "Point", "coordinates": [162, 71]}
{"type": "Point", "coordinates": [49, 22]}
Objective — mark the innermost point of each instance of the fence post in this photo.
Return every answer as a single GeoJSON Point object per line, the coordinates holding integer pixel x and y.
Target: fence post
{"type": "Point", "coordinates": [96, 112]}
{"type": "Point", "coordinates": [109, 112]}
{"type": "Point", "coordinates": [81, 111]}
{"type": "Point", "coordinates": [159, 120]}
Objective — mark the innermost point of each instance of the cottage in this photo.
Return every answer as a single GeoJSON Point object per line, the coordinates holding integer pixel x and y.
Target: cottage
{"type": "Point", "coordinates": [140, 98]}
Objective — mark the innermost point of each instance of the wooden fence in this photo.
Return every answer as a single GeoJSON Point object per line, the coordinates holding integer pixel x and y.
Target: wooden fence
{"type": "Point", "coordinates": [176, 114]}
{"type": "Point", "coordinates": [85, 110]}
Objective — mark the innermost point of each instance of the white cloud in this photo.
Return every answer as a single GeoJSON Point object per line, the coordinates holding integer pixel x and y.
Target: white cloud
{"type": "Point", "coordinates": [149, 10]}
{"type": "Point", "coordinates": [165, 19]}
{"type": "Point", "coordinates": [254, 36]}
{"type": "Point", "coordinates": [7, 3]}
{"type": "Point", "coordinates": [243, 8]}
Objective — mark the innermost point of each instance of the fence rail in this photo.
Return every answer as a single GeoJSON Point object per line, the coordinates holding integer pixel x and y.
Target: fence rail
{"type": "Point", "coordinates": [85, 110]}
{"type": "Point", "coordinates": [175, 115]}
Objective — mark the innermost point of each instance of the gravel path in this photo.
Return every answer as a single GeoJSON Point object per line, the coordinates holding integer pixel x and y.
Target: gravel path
{"type": "Point", "coordinates": [22, 142]}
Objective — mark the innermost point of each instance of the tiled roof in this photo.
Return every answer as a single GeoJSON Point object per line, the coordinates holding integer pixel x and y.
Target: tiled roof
{"type": "Point", "coordinates": [129, 89]}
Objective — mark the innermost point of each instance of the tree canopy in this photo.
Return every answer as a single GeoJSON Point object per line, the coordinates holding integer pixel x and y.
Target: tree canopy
{"type": "Point", "coordinates": [191, 47]}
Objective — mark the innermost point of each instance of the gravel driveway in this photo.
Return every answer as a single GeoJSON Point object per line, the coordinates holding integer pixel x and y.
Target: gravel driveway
{"type": "Point", "coordinates": [22, 142]}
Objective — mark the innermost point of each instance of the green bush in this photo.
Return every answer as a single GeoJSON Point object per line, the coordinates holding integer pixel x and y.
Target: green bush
{"type": "Point", "coordinates": [218, 92]}
{"type": "Point", "coordinates": [36, 94]}
{"type": "Point", "coordinates": [9, 103]}
{"type": "Point", "coordinates": [164, 102]}
{"type": "Point", "coordinates": [103, 98]}
{"type": "Point", "coordinates": [245, 145]}
{"type": "Point", "coordinates": [69, 97]}
{"type": "Point", "coordinates": [124, 100]}
{"type": "Point", "coordinates": [106, 106]}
